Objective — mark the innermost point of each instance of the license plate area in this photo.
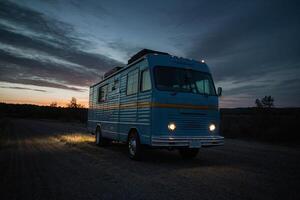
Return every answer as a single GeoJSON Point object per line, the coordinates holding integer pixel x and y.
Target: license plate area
{"type": "Point", "coordinates": [195, 144]}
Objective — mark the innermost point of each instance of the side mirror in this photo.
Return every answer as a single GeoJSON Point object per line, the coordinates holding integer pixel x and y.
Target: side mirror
{"type": "Point", "coordinates": [219, 91]}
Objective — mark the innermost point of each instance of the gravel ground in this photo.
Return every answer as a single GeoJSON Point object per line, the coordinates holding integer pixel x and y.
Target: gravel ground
{"type": "Point", "coordinates": [51, 160]}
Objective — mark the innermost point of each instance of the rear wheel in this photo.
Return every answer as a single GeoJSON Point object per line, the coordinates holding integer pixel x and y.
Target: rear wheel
{"type": "Point", "coordinates": [188, 153]}
{"type": "Point", "coordinates": [100, 141]}
{"type": "Point", "coordinates": [134, 146]}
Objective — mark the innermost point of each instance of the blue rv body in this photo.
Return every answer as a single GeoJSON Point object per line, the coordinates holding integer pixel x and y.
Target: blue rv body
{"type": "Point", "coordinates": [165, 100]}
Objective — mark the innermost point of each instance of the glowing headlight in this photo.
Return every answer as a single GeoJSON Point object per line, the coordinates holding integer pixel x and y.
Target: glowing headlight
{"type": "Point", "coordinates": [171, 126]}
{"type": "Point", "coordinates": [212, 127]}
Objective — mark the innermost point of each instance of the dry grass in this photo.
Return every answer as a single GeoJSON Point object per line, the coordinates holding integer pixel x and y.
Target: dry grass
{"type": "Point", "coordinates": [77, 138]}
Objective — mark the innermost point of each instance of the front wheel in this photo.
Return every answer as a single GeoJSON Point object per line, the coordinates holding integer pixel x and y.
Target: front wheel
{"type": "Point", "coordinates": [134, 146]}
{"type": "Point", "coordinates": [100, 141]}
{"type": "Point", "coordinates": [188, 153]}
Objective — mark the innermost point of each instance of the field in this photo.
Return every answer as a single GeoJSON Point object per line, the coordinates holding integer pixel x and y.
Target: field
{"type": "Point", "coordinates": [276, 125]}
{"type": "Point", "coordinates": [43, 159]}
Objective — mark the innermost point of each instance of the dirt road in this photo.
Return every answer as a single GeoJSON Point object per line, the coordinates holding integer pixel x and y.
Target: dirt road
{"type": "Point", "coordinates": [51, 160]}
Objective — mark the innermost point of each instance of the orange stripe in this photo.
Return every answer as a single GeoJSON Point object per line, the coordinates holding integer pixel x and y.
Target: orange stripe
{"type": "Point", "coordinates": [184, 106]}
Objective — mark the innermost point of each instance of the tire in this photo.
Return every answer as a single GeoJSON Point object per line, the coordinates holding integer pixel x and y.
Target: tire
{"type": "Point", "coordinates": [135, 149]}
{"type": "Point", "coordinates": [100, 141]}
{"type": "Point", "coordinates": [187, 153]}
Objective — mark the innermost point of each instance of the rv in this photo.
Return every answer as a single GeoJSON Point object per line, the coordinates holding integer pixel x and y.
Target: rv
{"type": "Point", "coordinates": [159, 101]}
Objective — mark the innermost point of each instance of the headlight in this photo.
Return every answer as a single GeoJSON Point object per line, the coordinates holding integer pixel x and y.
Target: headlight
{"type": "Point", "coordinates": [171, 126]}
{"type": "Point", "coordinates": [212, 127]}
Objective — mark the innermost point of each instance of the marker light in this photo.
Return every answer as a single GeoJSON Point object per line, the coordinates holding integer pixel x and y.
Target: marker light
{"type": "Point", "coordinates": [171, 126]}
{"type": "Point", "coordinates": [203, 61]}
{"type": "Point", "coordinates": [212, 127]}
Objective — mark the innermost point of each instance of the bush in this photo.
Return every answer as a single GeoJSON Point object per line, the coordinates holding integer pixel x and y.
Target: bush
{"type": "Point", "coordinates": [43, 112]}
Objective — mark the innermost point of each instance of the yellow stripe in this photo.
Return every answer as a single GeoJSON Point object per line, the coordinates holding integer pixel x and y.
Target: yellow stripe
{"type": "Point", "coordinates": [157, 105]}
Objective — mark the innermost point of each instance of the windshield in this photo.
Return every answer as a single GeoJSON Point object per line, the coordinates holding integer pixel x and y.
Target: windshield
{"type": "Point", "coordinates": [184, 80]}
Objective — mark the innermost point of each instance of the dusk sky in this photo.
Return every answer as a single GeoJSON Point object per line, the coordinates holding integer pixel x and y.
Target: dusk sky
{"type": "Point", "coordinates": [53, 50]}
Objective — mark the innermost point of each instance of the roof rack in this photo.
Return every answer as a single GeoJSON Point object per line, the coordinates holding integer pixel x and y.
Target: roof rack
{"type": "Point", "coordinates": [113, 70]}
{"type": "Point", "coordinates": [143, 53]}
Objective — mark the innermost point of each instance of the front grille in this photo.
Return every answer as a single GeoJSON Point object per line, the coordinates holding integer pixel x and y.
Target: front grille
{"type": "Point", "coordinates": [189, 122]}
{"type": "Point", "coordinates": [172, 141]}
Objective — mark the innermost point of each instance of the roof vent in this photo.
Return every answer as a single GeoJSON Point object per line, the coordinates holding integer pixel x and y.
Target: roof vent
{"type": "Point", "coordinates": [143, 53]}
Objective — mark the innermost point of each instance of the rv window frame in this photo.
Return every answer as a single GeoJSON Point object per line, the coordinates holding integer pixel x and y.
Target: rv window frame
{"type": "Point", "coordinates": [115, 84]}
{"type": "Point", "coordinates": [99, 99]}
{"type": "Point", "coordinates": [138, 81]}
{"type": "Point", "coordinates": [141, 80]}
{"type": "Point", "coordinates": [155, 85]}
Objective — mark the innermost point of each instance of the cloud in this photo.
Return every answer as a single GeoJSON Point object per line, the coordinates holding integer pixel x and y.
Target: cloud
{"type": "Point", "coordinates": [22, 88]}
{"type": "Point", "coordinates": [252, 39]}
{"type": "Point", "coordinates": [38, 50]}
{"type": "Point", "coordinates": [248, 43]}
{"type": "Point", "coordinates": [251, 46]}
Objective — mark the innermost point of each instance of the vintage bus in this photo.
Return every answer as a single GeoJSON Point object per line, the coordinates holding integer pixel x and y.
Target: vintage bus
{"type": "Point", "coordinates": [157, 100]}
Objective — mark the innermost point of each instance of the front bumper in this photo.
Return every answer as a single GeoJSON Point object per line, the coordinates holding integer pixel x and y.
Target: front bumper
{"type": "Point", "coordinates": [186, 141]}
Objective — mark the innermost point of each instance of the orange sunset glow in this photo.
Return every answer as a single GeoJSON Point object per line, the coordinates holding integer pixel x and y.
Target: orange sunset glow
{"type": "Point", "coordinates": [20, 94]}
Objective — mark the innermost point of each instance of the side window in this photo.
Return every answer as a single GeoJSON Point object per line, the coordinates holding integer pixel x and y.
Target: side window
{"type": "Point", "coordinates": [203, 86]}
{"type": "Point", "coordinates": [102, 95]}
{"type": "Point", "coordinates": [145, 80]}
{"type": "Point", "coordinates": [109, 87]}
{"type": "Point", "coordinates": [115, 85]}
{"type": "Point", "coordinates": [132, 82]}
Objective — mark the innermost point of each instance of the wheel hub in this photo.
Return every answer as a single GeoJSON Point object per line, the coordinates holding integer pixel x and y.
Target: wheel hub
{"type": "Point", "coordinates": [132, 146]}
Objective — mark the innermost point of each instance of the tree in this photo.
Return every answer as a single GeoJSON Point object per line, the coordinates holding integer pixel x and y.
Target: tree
{"type": "Point", "coordinates": [258, 103]}
{"type": "Point", "coordinates": [73, 103]}
{"type": "Point", "coordinates": [53, 104]}
{"type": "Point", "coordinates": [266, 102]}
